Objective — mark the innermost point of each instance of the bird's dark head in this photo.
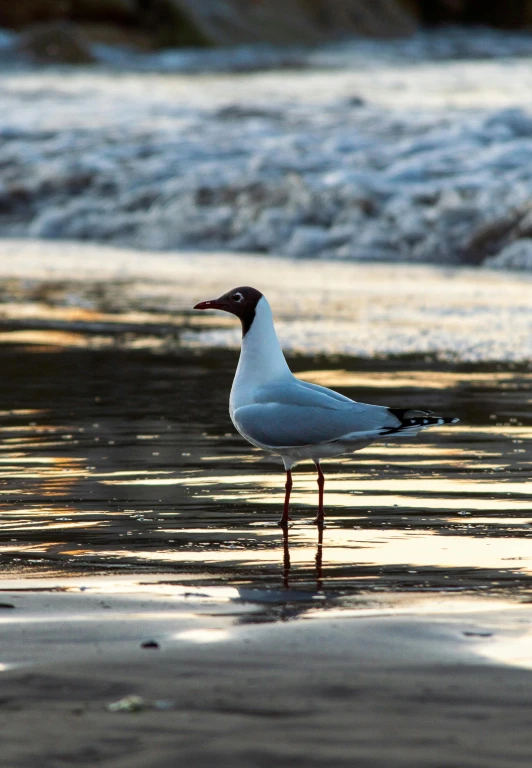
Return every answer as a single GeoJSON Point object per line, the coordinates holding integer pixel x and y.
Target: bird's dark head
{"type": "Point", "coordinates": [241, 302]}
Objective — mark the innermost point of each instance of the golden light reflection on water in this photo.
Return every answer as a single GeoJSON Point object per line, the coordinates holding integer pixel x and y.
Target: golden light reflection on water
{"type": "Point", "coordinates": [84, 492]}
{"type": "Point", "coordinates": [437, 486]}
{"type": "Point", "coordinates": [50, 526]}
{"type": "Point", "coordinates": [349, 491]}
{"type": "Point", "coordinates": [56, 475]}
{"type": "Point", "coordinates": [422, 379]}
{"type": "Point", "coordinates": [357, 548]}
{"type": "Point", "coordinates": [53, 339]}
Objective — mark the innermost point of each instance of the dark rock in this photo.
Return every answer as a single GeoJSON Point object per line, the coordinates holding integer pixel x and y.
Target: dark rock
{"type": "Point", "coordinates": [16, 14]}
{"type": "Point", "coordinates": [56, 43]}
{"type": "Point", "coordinates": [170, 25]}
{"type": "Point", "coordinates": [174, 23]}
{"type": "Point", "coordinates": [293, 21]}
{"type": "Point", "coordinates": [149, 644]}
{"type": "Point", "coordinates": [376, 18]}
{"type": "Point", "coordinates": [488, 238]}
{"type": "Point", "coordinates": [104, 11]}
{"type": "Point", "coordinates": [517, 255]}
{"type": "Point", "coordinates": [236, 23]}
{"type": "Point", "coordinates": [487, 242]}
{"type": "Point", "coordinates": [118, 35]}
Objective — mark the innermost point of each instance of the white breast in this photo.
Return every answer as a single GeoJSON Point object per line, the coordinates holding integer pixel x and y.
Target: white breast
{"type": "Point", "coordinates": [261, 359]}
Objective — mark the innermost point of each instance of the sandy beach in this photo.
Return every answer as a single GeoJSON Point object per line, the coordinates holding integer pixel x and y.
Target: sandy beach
{"type": "Point", "coordinates": [395, 682]}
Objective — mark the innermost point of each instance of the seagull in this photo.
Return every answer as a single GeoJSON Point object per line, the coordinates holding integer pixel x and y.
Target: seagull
{"type": "Point", "coordinates": [294, 419]}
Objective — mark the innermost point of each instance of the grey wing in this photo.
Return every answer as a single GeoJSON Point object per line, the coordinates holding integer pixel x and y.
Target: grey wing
{"type": "Point", "coordinates": [301, 393]}
{"type": "Point", "coordinates": [336, 396]}
{"type": "Point", "coordinates": [279, 425]}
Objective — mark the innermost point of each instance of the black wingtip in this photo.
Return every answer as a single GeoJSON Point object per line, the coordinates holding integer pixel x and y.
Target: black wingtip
{"type": "Point", "coordinates": [422, 419]}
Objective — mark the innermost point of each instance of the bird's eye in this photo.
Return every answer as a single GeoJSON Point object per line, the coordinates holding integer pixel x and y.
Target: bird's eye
{"type": "Point", "coordinates": [237, 297]}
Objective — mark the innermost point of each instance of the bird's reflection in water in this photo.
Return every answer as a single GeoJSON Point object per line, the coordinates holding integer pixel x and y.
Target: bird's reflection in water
{"type": "Point", "coordinates": [286, 559]}
{"type": "Point", "coordinates": [318, 559]}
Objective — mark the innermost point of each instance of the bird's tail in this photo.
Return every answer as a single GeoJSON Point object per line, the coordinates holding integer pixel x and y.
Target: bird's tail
{"type": "Point", "coordinates": [412, 420]}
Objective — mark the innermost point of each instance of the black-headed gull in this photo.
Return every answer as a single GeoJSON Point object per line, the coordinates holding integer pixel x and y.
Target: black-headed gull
{"type": "Point", "coordinates": [281, 414]}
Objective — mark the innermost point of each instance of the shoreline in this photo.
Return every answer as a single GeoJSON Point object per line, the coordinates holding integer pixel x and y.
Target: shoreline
{"type": "Point", "coordinates": [354, 309]}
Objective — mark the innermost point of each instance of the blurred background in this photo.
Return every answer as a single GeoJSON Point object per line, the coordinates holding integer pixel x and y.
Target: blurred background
{"type": "Point", "coordinates": [149, 24]}
{"type": "Point", "coordinates": [396, 130]}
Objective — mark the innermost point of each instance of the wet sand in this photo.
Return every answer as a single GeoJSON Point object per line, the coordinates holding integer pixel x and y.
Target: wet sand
{"type": "Point", "coordinates": [96, 295]}
{"type": "Point", "coordinates": [131, 512]}
{"type": "Point", "coordinates": [409, 682]}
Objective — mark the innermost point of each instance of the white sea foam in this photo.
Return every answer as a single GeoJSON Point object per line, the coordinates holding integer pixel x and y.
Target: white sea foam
{"type": "Point", "coordinates": [371, 151]}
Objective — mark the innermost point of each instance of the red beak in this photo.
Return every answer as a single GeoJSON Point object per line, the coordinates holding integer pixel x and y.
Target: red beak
{"type": "Point", "coordinates": [213, 304]}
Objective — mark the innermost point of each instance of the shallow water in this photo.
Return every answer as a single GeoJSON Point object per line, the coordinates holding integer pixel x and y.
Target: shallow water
{"type": "Point", "coordinates": [119, 460]}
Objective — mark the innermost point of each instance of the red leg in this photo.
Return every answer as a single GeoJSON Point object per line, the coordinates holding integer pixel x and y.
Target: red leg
{"type": "Point", "coordinates": [320, 520]}
{"type": "Point", "coordinates": [283, 522]}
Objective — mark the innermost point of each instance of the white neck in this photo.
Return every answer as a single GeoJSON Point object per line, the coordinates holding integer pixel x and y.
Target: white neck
{"type": "Point", "coordinates": [261, 360]}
